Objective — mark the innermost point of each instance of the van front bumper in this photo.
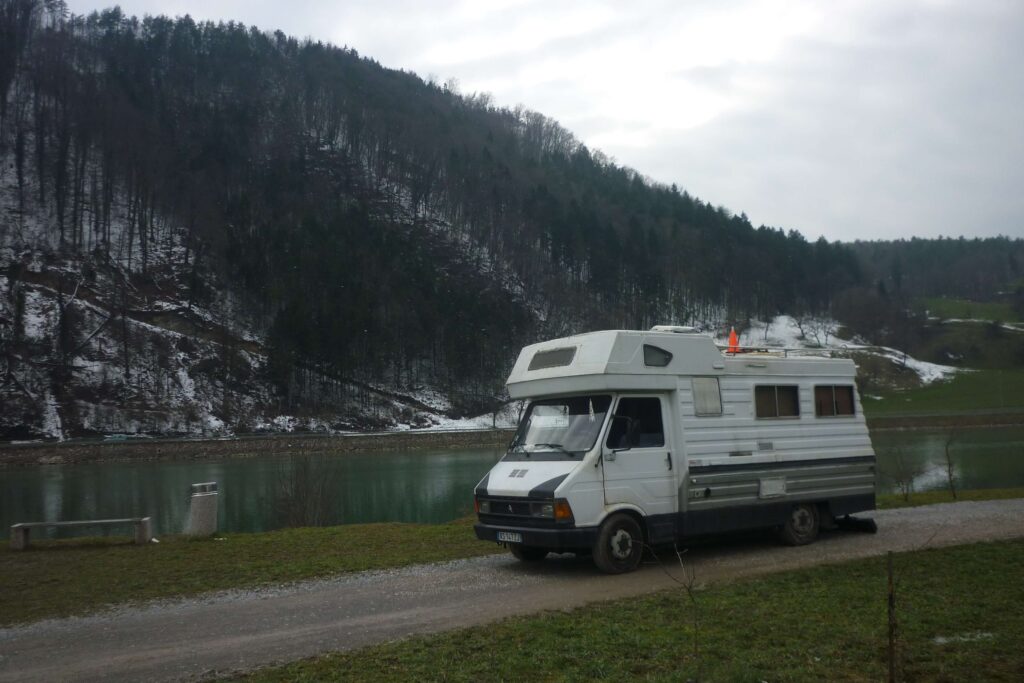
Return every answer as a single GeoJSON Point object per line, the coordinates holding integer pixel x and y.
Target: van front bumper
{"type": "Point", "coordinates": [556, 539]}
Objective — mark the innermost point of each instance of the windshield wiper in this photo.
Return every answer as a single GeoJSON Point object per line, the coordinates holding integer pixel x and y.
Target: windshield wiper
{"type": "Point", "coordinates": [518, 448]}
{"type": "Point", "coordinates": [556, 446]}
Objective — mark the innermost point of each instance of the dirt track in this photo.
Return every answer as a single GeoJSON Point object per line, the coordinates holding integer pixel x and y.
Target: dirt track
{"type": "Point", "coordinates": [234, 630]}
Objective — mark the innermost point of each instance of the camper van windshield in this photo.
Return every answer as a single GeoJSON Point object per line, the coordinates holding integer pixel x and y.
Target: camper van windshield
{"type": "Point", "coordinates": [559, 428]}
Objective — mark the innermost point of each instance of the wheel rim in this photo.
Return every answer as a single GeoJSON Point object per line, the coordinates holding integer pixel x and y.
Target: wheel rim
{"type": "Point", "coordinates": [802, 521]}
{"type": "Point", "coordinates": [622, 544]}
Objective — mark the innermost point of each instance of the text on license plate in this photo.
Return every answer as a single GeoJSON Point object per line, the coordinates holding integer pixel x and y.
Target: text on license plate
{"type": "Point", "coordinates": [510, 537]}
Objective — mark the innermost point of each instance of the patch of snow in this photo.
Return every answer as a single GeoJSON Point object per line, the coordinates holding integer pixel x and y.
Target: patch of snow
{"type": "Point", "coordinates": [963, 638]}
{"type": "Point", "coordinates": [213, 424]}
{"type": "Point", "coordinates": [188, 387]}
{"type": "Point", "coordinates": [432, 398]}
{"type": "Point", "coordinates": [52, 426]}
{"type": "Point", "coordinates": [507, 418]}
{"type": "Point", "coordinates": [36, 321]}
{"type": "Point", "coordinates": [928, 372]}
{"type": "Point", "coordinates": [284, 423]}
{"type": "Point", "coordinates": [1014, 327]}
{"type": "Point", "coordinates": [783, 332]}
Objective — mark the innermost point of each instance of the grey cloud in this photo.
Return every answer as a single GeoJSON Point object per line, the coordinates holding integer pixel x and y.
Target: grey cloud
{"type": "Point", "coordinates": [914, 131]}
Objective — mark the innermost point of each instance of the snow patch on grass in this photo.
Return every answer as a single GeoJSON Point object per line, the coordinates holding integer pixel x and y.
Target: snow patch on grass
{"type": "Point", "coordinates": [963, 638]}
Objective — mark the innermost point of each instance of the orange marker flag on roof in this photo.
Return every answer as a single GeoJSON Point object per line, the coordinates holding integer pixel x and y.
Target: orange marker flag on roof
{"type": "Point", "coordinates": [734, 341]}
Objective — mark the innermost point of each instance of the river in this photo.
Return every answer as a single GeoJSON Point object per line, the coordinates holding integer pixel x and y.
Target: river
{"type": "Point", "coordinates": [270, 492]}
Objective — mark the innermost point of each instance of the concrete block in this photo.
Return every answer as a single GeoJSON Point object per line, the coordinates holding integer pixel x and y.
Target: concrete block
{"type": "Point", "coordinates": [202, 514]}
{"type": "Point", "coordinates": [19, 537]}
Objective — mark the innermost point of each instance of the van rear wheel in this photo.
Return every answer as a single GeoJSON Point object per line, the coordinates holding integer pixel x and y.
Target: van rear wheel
{"type": "Point", "coordinates": [801, 526]}
{"type": "Point", "coordinates": [620, 545]}
{"type": "Point", "coordinates": [527, 553]}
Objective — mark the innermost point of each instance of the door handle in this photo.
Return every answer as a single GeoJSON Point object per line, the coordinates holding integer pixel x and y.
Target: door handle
{"type": "Point", "coordinates": [668, 456]}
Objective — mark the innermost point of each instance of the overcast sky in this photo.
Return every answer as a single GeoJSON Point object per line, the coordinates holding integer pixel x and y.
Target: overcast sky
{"type": "Point", "coordinates": [870, 119]}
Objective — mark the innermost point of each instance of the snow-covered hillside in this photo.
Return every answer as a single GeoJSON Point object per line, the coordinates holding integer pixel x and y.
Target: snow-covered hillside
{"type": "Point", "coordinates": [93, 344]}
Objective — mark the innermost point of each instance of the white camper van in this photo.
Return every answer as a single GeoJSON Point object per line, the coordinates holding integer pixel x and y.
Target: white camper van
{"type": "Point", "coordinates": [633, 438]}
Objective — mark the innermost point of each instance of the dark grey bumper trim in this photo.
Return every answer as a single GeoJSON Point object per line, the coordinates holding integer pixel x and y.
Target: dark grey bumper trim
{"type": "Point", "coordinates": [555, 539]}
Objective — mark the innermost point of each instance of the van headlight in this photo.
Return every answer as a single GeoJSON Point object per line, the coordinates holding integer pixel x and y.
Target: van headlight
{"type": "Point", "coordinates": [483, 507]}
{"type": "Point", "coordinates": [542, 510]}
{"type": "Point", "coordinates": [552, 509]}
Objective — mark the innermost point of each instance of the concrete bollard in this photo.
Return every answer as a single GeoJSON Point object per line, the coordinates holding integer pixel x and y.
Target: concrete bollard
{"type": "Point", "coordinates": [143, 531]}
{"type": "Point", "coordinates": [202, 510]}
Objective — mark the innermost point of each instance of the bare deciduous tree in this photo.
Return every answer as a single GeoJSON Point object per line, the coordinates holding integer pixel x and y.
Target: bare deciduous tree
{"type": "Point", "coordinates": [949, 466]}
{"type": "Point", "coordinates": [305, 492]}
{"type": "Point", "coordinates": [904, 472]}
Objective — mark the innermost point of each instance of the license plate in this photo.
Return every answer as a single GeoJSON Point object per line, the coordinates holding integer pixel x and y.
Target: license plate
{"type": "Point", "coordinates": [510, 537]}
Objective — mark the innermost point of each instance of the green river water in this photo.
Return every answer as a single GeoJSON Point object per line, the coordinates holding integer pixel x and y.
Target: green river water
{"type": "Point", "coordinates": [271, 492]}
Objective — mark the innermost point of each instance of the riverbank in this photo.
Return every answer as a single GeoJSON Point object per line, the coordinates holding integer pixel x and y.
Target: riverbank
{"type": "Point", "coordinates": [951, 420]}
{"type": "Point", "coordinates": [70, 577]}
{"type": "Point", "coordinates": [142, 449]}
{"type": "Point", "coordinates": [77, 452]}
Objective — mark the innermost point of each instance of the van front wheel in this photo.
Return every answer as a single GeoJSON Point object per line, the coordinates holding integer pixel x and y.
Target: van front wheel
{"type": "Point", "coordinates": [801, 526]}
{"type": "Point", "coordinates": [619, 546]}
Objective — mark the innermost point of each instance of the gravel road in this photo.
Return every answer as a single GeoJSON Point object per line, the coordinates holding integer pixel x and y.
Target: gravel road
{"type": "Point", "coordinates": [239, 630]}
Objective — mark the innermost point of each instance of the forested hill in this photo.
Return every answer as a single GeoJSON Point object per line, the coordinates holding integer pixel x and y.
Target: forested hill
{"type": "Point", "coordinates": [206, 227]}
{"type": "Point", "coordinates": [977, 269]}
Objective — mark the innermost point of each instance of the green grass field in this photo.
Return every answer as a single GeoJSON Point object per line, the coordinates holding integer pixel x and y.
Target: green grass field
{"type": "Point", "coordinates": [73, 576]}
{"type": "Point", "coordinates": [974, 345]}
{"type": "Point", "coordinates": [957, 611]}
{"type": "Point", "coordinates": [970, 391]}
{"type": "Point", "coordinates": [67, 577]}
{"type": "Point", "coordinates": [970, 310]}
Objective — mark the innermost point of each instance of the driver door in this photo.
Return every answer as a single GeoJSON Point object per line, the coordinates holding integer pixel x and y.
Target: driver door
{"type": "Point", "coordinates": [638, 467]}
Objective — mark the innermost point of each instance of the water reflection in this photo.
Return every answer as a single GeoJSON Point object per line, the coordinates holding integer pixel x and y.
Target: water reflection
{"type": "Point", "coordinates": [980, 458]}
{"type": "Point", "coordinates": [305, 492]}
{"type": "Point", "coordinates": [256, 494]}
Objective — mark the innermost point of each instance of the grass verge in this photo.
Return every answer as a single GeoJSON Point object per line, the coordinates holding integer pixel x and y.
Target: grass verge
{"type": "Point", "coordinates": [954, 606]}
{"type": "Point", "coordinates": [75, 576]}
{"type": "Point", "coordinates": [972, 392]}
{"type": "Point", "coordinates": [889, 501]}
{"type": "Point", "coordinates": [977, 310]}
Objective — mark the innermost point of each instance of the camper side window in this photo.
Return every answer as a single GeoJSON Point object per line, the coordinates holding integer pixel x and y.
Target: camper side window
{"type": "Point", "coordinates": [707, 397]}
{"type": "Point", "coordinates": [776, 401]}
{"type": "Point", "coordinates": [552, 358]}
{"type": "Point", "coordinates": [638, 425]}
{"type": "Point", "coordinates": [655, 357]}
{"type": "Point", "coordinates": [833, 401]}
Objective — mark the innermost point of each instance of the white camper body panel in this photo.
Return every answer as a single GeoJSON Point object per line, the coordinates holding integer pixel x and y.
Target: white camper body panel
{"type": "Point", "coordinates": [712, 472]}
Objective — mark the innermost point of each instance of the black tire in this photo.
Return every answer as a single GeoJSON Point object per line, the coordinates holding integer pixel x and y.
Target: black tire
{"type": "Point", "coordinates": [619, 546]}
{"type": "Point", "coordinates": [527, 553]}
{"type": "Point", "coordinates": [801, 525]}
